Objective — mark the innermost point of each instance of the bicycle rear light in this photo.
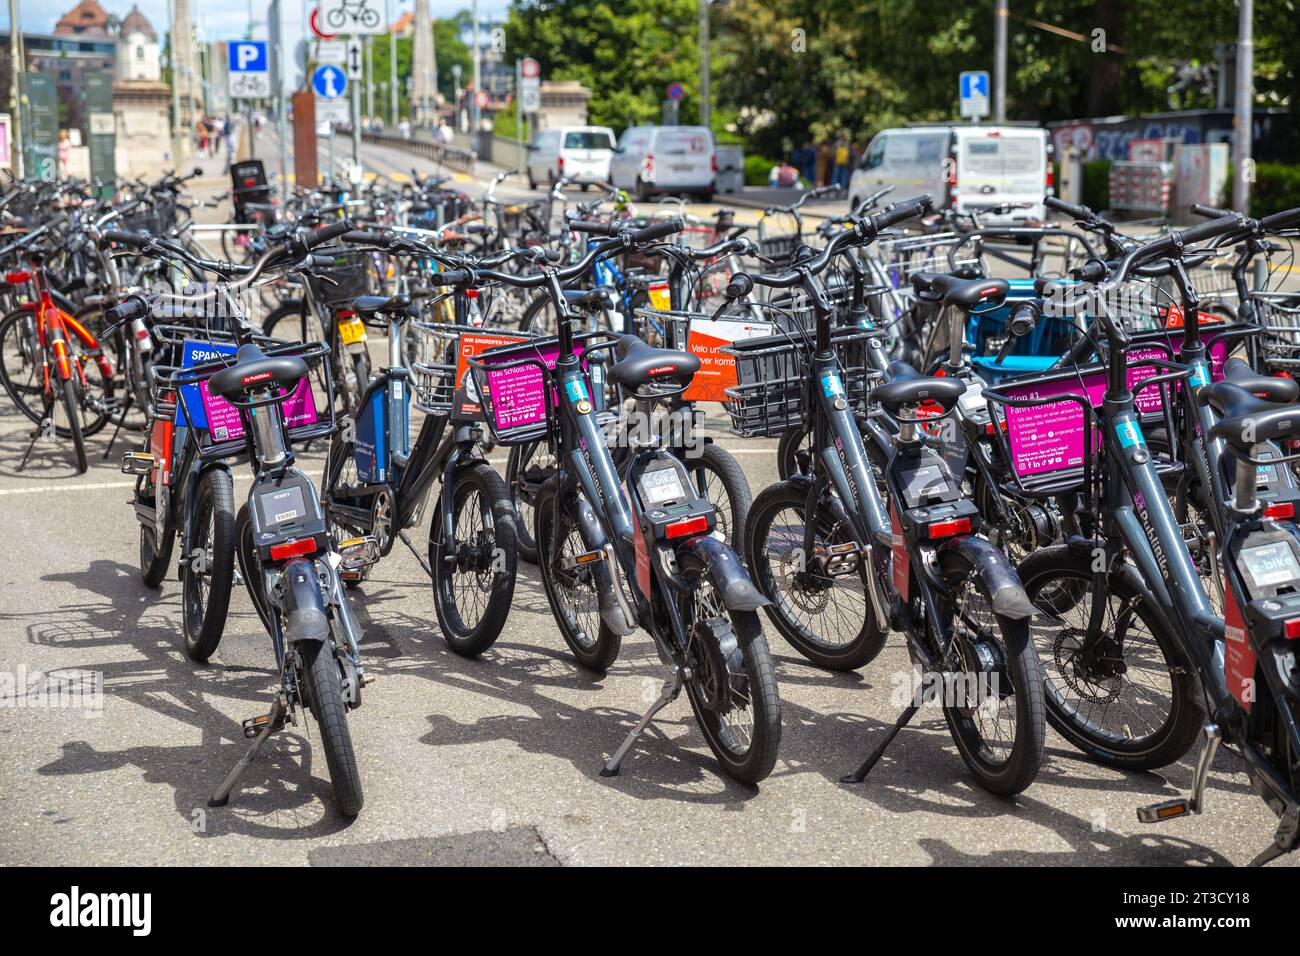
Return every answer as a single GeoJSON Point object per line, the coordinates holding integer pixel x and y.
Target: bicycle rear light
{"type": "Point", "coordinates": [1282, 509]}
{"type": "Point", "coordinates": [1293, 628]}
{"type": "Point", "coordinates": [679, 529]}
{"type": "Point", "coordinates": [293, 549]}
{"type": "Point", "coordinates": [946, 529]}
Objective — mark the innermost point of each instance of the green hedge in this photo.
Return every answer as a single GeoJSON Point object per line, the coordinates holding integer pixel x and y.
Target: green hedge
{"type": "Point", "coordinates": [757, 169]}
{"type": "Point", "coordinates": [1276, 187]}
{"type": "Point", "coordinates": [1096, 184]}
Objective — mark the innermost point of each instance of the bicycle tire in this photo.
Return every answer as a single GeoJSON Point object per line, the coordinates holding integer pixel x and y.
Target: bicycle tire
{"type": "Point", "coordinates": [1042, 573]}
{"type": "Point", "coordinates": [734, 512]}
{"type": "Point", "coordinates": [594, 651]}
{"type": "Point", "coordinates": [1024, 671]}
{"type": "Point", "coordinates": [858, 649]}
{"type": "Point", "coordinates": [476, 479]}
{"type": "Point", "coordinates": [759, 757]}
{"type": "Point", "coordinates": [72, 406]}
{"type": "Point", "coordinates": [325, 697]}
{"type": "Point", "coordinates": [204, 617]}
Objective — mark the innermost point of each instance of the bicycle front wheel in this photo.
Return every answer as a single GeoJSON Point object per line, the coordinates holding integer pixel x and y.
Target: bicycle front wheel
{"type": "Point", "coordinates": [325, 697]}
{"type": "Point", "coordinates": [474, 570]}
{"type": "Point", "coordinates": [1127, 696]}
{"type": "Point", "coordinates": [208, 571]}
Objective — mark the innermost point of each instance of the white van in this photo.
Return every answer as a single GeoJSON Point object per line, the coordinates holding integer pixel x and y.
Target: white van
{"type": "Point", "coordinates": [960, 166]}
{"type": "Point", "coordinates": [578, 152]}
{"type": "Point", "coordinates": [665, 159]}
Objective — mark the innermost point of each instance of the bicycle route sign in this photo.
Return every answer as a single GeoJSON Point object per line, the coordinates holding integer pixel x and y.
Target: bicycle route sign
{"type": "Point", "coordinates": [354, 17]}
{"type": "Point", "coordinates": [250, 71]}
{"type": "Point", "coordinates": [329, 82]}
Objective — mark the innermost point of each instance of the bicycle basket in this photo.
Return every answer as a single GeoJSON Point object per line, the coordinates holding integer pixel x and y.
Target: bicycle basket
{"type": "Point", "coordinates": [768, 397]}
{"type": "Point", "coordinates": [438, 378]}
{"type": "Point", "coordinates": [337, 285]}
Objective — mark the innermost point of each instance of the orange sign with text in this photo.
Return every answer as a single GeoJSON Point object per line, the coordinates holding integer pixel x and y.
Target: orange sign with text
{"type": "Point", "coordinates": [717, 370]}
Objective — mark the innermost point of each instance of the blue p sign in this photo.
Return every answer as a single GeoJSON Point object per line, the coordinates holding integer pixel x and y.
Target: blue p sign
{"type": "Point", "coordinates": [248, 56]}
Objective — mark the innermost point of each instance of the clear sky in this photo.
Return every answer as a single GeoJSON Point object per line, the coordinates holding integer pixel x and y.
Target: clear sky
{"type": "Point", "coordinates": [218, 19]}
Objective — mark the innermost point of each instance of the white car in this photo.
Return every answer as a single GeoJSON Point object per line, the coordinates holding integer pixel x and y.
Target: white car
{"type": "Point", "coordinates": [665, 159]}
{"type": "Point", "coordinates": [581, 153]}
{"type": "Point", "coordinates": [962, 167]}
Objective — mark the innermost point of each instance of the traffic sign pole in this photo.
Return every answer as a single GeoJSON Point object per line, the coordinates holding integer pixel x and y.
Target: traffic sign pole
{"type": "Point", "coordinates": [356, 124]}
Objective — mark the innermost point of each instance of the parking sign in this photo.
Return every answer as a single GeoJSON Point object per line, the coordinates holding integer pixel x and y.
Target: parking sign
{"type": "Point", "coordinates": [249, 70]}
{"type": "Point", "coordinates": [975, 94]}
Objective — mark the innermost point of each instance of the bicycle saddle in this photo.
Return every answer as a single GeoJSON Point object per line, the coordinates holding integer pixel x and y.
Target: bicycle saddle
{"type": "Point", "coordinates": [1248, 420]}
{"type": "Point", "coordinates": [593, 297]}
{"type": "Point", "coordinates": [964, 294]}
{"type": "Point", "coordinates": [641, 364]}
{"type": "Point", "coordinates": [907, 386]}
{"type": "Point", "coordinates": [1274, 388]}
{"type": "Point", "coordinates": [368, 306]}
{"type": "Point", "coordinates": [255, 369]}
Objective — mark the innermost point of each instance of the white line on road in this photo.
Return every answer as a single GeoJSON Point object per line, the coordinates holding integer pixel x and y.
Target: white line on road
{"type": "Point", "coordinates": [92, 486]}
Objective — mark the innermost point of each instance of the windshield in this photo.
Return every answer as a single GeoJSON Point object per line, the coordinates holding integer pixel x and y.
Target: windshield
{"type": "Point", "coordinates": [589, 139]}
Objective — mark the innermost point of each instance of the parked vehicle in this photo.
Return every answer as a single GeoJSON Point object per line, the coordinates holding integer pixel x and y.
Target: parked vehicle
{"type": "Point", "coordinates": [665, 159]}
{"type": "Point", "coordinates": [573, 152]}
{"type": "Point", "coordinates": [968, 167]}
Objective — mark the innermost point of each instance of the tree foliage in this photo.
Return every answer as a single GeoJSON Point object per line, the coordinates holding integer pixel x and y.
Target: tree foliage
{"type": "Point", "coordinates": [805, 70]}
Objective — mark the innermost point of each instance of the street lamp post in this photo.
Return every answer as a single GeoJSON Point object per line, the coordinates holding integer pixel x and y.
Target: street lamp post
{"type": "Point", "coordinates": [15, 96]}
{"type": "Point", "coordinates": [702, 15]}
{"type": "Point", "coordinates": [1243, 121]}
{"type": "Point", "coordinates": [392, 64]}
{"type": "Point", "coordinates": [1000, 62]}
{"type": "Point", "coordinates": [478, 68]}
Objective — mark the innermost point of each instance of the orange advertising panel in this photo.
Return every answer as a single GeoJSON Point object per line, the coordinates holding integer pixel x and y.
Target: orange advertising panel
{"type": "Point", "coordinates": [717, 370]}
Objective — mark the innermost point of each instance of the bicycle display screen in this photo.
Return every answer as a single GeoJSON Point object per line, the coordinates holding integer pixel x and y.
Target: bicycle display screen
{"type": "Point", "coordinates": [281, 506]}
{"type": "Point", "coordinates": [661, 486]}
{"type": "Point", "coordinates": [1269, 565]}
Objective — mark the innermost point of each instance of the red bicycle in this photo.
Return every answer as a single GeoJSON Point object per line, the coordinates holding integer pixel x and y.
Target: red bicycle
{"type": "Point", "coordinates": [53, 367]}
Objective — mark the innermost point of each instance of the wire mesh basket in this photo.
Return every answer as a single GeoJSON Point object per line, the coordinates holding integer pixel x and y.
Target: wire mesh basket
{"type": "Point", "coordinates": [337, 285]}
{"type": "Point", "coordinates": [769, 397]}
{"type": "Point", "coordinates": [1279, 314]}
{"type": "Point", "coordinates": [434, 379]}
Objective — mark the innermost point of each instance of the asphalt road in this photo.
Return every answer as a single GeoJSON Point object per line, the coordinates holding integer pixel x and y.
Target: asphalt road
{"type": "Point", "coordinates": [493, 760]}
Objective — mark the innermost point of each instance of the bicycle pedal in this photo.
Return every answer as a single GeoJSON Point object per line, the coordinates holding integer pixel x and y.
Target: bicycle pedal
{"type": "Point", "coordinates": [1169, 810]}
{"type": "Point", "coordinates": [255, 725]}
{"type": "Point", "coordinates": [839, 560]}
{"type": "Point", "coordinates": [357, 554]}
{"type": "Point", "coordinates": [137, 463]}
{"type": "Point", "coordinates": [588, 557]}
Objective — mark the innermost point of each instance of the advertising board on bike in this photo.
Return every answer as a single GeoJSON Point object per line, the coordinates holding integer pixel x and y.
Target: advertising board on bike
{"type": "Point", "coordinates": [199, 408]}
{"type": "Point", "coordinates": [717, 371]}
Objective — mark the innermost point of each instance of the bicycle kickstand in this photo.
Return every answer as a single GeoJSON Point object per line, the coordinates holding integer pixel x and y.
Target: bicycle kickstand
{"type": "Point", "coordinates": [117, 428]}
{"type": "Point", "coordinates": [406, 540]}
{"type": "Point", "coordinates": [667, 694]}
{"type": "Point", "coordinates": [37, 432]}
{"type": "Point", "coordinates": [861, 773]}
{"type": "Point", "coordinates": [270, 723]}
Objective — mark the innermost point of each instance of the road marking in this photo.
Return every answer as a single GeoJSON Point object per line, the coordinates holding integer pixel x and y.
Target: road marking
{"type": "Point", "coordinates": [92, 486]}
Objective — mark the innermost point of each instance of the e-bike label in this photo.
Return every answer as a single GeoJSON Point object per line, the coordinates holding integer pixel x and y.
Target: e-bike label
{"type": "Point", "coordinates": [1130, 434]}
{"type": "Point", "coordinates": [1199, 376]}
{"type": "Point", "coordinates": [832, 387]}
{"type": "Point", "coordinates": [576, 391]}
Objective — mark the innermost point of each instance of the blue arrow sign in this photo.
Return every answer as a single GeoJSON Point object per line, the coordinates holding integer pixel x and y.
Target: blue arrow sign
{"type": "Point", "coordinates": [248, 56]}
{"type": "Point", "coordinates": [329, 82]}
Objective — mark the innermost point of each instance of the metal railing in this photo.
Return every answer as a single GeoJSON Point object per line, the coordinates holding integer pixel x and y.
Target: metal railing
{"type": "Point", "coordinates": [451, 156]}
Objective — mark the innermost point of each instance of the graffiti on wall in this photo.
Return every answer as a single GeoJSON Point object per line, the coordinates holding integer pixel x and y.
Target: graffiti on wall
{"type": "Point", "coordinates": [1111, 140]}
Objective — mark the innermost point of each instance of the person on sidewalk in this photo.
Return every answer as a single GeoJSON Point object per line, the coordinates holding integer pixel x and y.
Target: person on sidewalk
{"type": "Point", "coordinates": [840, 168]}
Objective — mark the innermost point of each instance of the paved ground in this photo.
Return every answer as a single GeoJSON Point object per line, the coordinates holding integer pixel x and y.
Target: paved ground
{"type": "Point", "coordinates": [494, 760]}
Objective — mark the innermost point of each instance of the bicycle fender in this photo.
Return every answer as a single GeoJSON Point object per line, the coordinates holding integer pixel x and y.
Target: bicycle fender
{"type": "Point", "coordinates": [304, 607]}
{"type": "Point", "coordinates": [728, 573]}
{"type": "Point", "coordinates": [1006, 593]}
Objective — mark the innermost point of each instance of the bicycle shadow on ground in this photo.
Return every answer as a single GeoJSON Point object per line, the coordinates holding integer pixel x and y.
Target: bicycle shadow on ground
{"type": "Point", "coordinates": [278, 796]}
{"type": "Point", "coordinates": [922, 772]}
